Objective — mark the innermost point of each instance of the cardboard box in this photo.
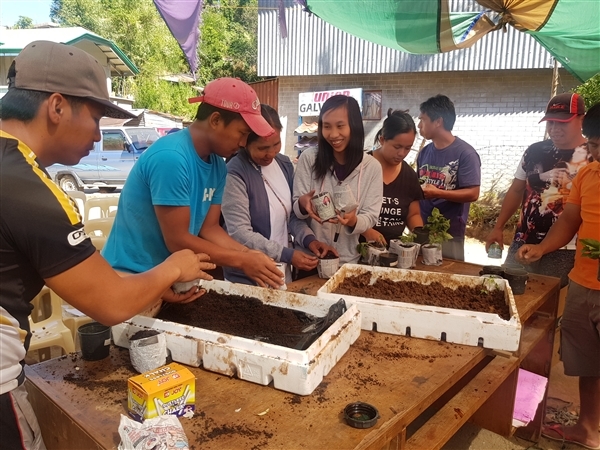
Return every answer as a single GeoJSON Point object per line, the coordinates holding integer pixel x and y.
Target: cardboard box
{"type": "Point", "coordinates": [170, 389]}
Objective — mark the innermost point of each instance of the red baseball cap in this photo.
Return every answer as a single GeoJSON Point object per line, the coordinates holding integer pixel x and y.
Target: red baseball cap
{"type": "Point", "coordinates": [232, 94]}
{"type": "Point", "coordinates": [564, 108]}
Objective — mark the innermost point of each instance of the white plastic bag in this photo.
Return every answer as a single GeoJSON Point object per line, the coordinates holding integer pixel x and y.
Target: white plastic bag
{"type": "Point", "coordinates": [159, 433]}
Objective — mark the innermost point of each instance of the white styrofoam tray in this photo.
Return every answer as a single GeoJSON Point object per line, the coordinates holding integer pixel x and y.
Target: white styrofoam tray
{"type": "Point", "coordinates": [296, 371]}
{"type": "Point", "coordinates": [431, 322]}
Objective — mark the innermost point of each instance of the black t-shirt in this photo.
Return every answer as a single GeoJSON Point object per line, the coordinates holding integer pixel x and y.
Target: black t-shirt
{"type": "Point", "coordinates": [397, 197]}
{"type": "Point", "coordinates": [41, 235]}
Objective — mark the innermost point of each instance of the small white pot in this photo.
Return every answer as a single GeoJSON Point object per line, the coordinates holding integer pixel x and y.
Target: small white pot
{"type": "Point", "coordinates": [407, 253]}
{"type": "Point", "coordinates": [373, 255]}
{"type": "Point", "coordinates": [432, 254]}
{"type": "Point", "coordinates": [326, 268]}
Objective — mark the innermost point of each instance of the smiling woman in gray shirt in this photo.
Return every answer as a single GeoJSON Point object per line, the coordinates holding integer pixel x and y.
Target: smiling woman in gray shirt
{"type": "Point", "coordinates": [340, 162]}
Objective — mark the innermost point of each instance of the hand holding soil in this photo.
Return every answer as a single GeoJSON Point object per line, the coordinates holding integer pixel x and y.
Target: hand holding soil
{"type": "Point", "coordinates": [191, 265]}
{"type": "Point", "coordinates": [372, 235]}
{"type": "Point", "coordinates": [303, 261]}
{"type": "Point", "coordinates": [185, 297]}
{"type": "Point", "coordinates": [320, 249]}
{"type": "Point", "coordinates": [529, 253]}
{"type": "Point", "coordinates": [261, 269]}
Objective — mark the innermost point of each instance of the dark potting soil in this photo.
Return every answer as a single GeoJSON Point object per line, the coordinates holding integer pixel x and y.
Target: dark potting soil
{"type": "Point", "coordinates": [434, 294]}
{"type": "Point", "coordinates": [239, 316]}
{"type": "Point", "coordinates": [142, 334]}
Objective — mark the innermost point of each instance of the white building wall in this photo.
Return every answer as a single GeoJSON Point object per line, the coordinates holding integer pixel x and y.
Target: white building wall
{"type": "Point", "coordinates": [497, 111]}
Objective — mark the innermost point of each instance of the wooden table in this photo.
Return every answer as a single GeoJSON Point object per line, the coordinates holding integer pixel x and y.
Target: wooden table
{"type": "Point", "coordinates": [424, 391]}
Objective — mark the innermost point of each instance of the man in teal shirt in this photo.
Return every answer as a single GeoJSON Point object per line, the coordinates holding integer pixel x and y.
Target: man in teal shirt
{"type": "Point", "coordinates": [172, 197]}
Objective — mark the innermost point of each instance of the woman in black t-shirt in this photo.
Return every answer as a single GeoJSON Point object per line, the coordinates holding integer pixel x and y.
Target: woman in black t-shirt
{"type": "Point", "coordinates": [401, 189]}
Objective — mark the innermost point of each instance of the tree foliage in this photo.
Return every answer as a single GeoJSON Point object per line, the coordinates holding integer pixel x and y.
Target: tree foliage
{"type": "Point", "coordinates": [590, 91]}
{"type": "Point", "coordinates": [227, 46]}
{"type": "Point", "coordinates": [228, 40]}
{"type": "Point", "coordinates": [23, 22]}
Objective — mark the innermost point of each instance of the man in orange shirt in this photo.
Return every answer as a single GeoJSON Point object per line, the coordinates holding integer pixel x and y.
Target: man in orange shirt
{"type": "Point", "coordinates": [580, 325]}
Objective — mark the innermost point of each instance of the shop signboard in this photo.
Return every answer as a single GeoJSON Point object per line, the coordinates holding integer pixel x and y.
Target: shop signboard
{"type": "Point", "coordinates": [309, 103]}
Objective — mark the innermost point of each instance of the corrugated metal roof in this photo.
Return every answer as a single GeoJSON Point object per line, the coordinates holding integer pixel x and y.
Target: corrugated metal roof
{"type": "Point", "coordinates": [314, 47]}
{"type": "Point", "coordinates": [13, 41]}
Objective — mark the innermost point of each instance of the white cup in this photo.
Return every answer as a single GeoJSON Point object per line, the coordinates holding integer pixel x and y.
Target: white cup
{"type": "Point", "coordinates": [328, 267]}
{"type": "Point", "coordinates": [184, 286]}
{"type": "Point", "coordinates": [283, 268]}
{"type": "Point", "coordinates": [407, 253]}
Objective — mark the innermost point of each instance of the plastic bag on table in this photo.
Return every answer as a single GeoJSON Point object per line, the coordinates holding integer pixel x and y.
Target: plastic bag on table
{"type": "Point", "coordinates": [317, 326]}
{"type": "Point", "coordinates": [158, 433]}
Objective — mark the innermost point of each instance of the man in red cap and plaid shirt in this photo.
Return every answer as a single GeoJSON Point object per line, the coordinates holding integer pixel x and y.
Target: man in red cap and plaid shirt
{"type": "Point", "coordinates": [542, 184]}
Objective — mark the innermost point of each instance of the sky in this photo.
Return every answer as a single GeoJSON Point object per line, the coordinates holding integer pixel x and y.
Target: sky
{"type": "Point", "coordinates": [10, 10]}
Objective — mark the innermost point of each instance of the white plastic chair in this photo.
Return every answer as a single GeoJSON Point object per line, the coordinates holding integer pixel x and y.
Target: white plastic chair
{"type": "Point", "coordinates": [79, 198]}
{"type": "Point", "coordinates": [98, 230]}
{"type": "Point", "coordinates": [41, 305]}
{"type": "Point", "coordinates": [104, 204]}
{"type": "Point", "coordinates": [51, 331]}
{"type": "Point", "coordinates": [73, 319]}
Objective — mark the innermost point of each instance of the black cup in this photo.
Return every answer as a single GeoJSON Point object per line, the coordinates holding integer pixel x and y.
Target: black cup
{"type": "Point", "coordinates": [492, 270]}
{"type": "Point", "coordinates": [422, 235]}
{"type": "Point", "coordinates": [517, 278]}
{"type": "Point", "coordinates": [95, 341]}
{"type": "Point", "coordinates": [387, 259]}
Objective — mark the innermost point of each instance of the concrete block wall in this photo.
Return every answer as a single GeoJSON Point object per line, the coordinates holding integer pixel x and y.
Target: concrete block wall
{"type": "Point", "coordinates": [497, 111]}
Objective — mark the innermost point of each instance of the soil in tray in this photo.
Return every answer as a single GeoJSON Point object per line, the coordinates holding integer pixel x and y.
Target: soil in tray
{"type": "Point", "coordinates": [434, 294]}
{"type": "Point", "coordinates": [240, 316]}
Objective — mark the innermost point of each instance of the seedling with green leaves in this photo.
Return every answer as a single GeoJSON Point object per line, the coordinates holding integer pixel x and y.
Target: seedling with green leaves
{"type": "Point", "coordinates": [438, 227]}
{"type": "Point", "coordinates": [408, 238]}
{"type": "Point", "coordinates": [591, 248]}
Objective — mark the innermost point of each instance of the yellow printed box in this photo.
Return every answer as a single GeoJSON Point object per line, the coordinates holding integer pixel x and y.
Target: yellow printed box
{"type": "Point", "coordinates": [170, 389]}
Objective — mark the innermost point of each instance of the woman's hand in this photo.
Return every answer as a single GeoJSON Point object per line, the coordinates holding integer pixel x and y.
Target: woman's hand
{"type": "Point", "coordinates": [303, 261]}
{"type": "Point", "coordinates": [306, 205]}
{"type": "Point", "coordinates": [372, 235]}
{"type": "Point", "coordinates": [348, 219]}
{"type": "Point", "coordinates": [321, 249]}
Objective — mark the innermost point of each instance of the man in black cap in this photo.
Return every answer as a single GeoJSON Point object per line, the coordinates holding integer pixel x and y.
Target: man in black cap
{"type": "Point", "coordinates": [51, 113]}
{"type": "Point", "coordinates": [542, 184]}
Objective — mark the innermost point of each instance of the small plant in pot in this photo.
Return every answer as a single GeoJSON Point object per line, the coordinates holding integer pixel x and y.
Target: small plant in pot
{"type": "Point", "coordinates": [370, 251]}
{"type": "Point", "coordinates": [438, 227]}
{"type": "Point", "coordinates": [407, 250]}
{"type": "Point", "coordinates": [408, 240]}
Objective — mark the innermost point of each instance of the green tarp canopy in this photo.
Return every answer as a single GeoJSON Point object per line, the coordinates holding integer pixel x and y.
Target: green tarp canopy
{"type": "Point", "coordinates": [568, 29]}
